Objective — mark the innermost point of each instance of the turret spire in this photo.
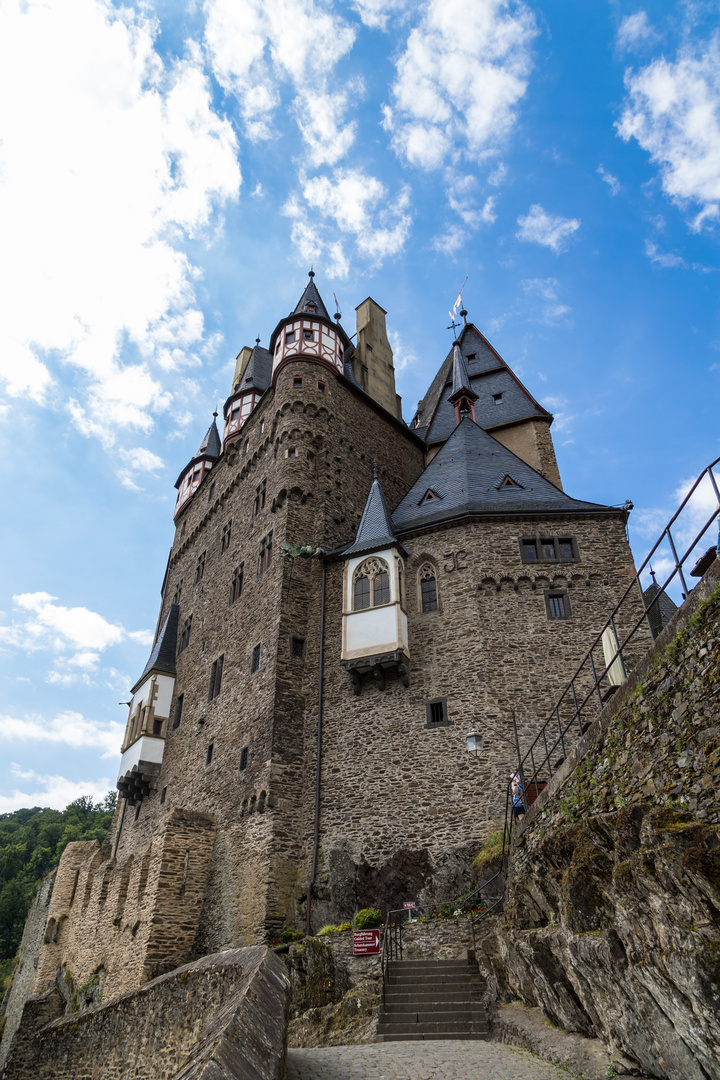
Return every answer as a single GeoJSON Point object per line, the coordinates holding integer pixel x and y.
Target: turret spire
{"type": "Point", "coordinates": [463, 396]}
{"type": "Point", "coordinates": [375, 530]}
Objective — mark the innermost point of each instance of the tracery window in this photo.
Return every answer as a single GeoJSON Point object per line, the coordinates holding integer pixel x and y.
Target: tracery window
{"type": "Point", "coordinates": [428, 588]}
{"type": "Point", "coordinates": [371, 584]}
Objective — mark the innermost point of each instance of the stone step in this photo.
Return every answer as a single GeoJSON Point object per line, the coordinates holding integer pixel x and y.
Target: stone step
{"type": "Point", "coordinates": [427, 1005]}
{"type": "Point", "coordinates": [423, 1017]}
{"type": "Point", "coordinates": [431, 994]}
{"type": "Point", "coordinates": [441, 979]}
{"type": "Point", "coordinates": [409, 1036]}
{"type": "Point", "coordinates": [434, 965]}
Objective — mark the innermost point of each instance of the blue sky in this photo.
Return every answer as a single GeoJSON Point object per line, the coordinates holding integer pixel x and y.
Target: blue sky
{"type": "Point", "coordinates": [168, 173]}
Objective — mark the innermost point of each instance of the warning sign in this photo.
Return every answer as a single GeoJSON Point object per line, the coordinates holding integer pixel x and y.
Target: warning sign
{"type": "Point", "coordinates": [366, 942]}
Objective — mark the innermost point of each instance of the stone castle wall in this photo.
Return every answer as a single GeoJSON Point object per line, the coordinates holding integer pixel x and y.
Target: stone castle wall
{"type": "Point", "coordinates": [28, 957]}
{"type": "Point", "coordinates": [230, 1008]}
{"type": "Point", "coordinates": [612, 921]}
{"type": "Point", "coordinates": [112, 924]}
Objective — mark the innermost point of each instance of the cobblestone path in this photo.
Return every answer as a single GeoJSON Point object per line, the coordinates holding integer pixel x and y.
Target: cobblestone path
{"type": "Point", "coordinates": [432, 1060]}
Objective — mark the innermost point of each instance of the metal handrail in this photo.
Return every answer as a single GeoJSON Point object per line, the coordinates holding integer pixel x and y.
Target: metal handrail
{"type": "Point", "coordinates": [527, 764]}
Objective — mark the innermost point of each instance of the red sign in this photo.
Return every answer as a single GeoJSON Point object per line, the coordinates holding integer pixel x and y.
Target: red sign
{"type": "Point", "coordinates": [409, 903]}
{"type": "Point", "coordinates": [366, 942]}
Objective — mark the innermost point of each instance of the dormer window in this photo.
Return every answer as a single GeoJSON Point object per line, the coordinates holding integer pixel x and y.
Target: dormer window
{"type": "Point", "coordinates": [497, 399]}
{"type": "Point", "coordinates": [312, 308]}
{"type": "Point", "coordinates": [371, 586]}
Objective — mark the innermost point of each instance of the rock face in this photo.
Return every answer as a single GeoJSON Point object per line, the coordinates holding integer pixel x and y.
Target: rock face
{"type": "Point", "coordinates": [220, 1018]}
{"type": "Point", "coordinates": [612, 920]}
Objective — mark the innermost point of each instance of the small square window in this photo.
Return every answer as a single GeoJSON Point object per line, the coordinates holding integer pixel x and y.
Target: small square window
{"type": "Point", "coordinates": [308, 335]}
{"type": "Point", "coordinates": [436, 714]}
{"type": "Point", "coordinates": [244, 758]}
{"type": "Point", "coordinates": [297, 382]}
{"type": "Point", "coordinates": [310, 455]}
{"type": "Point", "coordinates": [291, 452]}
{"type": "Point", "coordinates": [321, 388]}
{"type": "Point", "coordinates": [297, 648]}
{"type": "Point", "coordinates": [209, 754]}
{"type": "Point", "coordinates": [497, 399]}
{"type": "Point", "coordinates": [558, 605]}
{"type": "Point", "coordinates": [255, 662]}
{"type": "Point", "coordinates": [529, 550]}
{"type": "Point", "coordinates": [163, 793]}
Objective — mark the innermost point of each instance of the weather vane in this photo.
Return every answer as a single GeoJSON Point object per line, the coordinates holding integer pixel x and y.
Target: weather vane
{"type": "Point", "coordinates": [454, 326]}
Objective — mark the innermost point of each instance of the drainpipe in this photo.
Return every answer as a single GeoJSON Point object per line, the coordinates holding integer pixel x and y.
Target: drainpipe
{"type": "Point", "coordinates": [316, 838]}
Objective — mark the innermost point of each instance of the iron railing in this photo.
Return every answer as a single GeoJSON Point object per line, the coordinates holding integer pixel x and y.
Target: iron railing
{"type": "Point", "coordinates": [593, 684]}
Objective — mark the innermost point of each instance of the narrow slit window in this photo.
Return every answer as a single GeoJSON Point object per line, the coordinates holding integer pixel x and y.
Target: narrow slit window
{"type": "Point", "coordinates": [163, 793]}
{"type": "Point", "coordinates": [244, 758]}
{"type": "Point", "coordinates": [226, 535]}
{"type": "Point", "coordinates": [211, 491]}
{"type": "Point", "coordinates": [200, 568]}
{"type": "Point", "coordinates": [216, 677]}
{"type": "Point", "coordinates": [255, 662]}
{"type": "Point", "coordinates": [178, 712]}
{"type": "Point", "coordinates": [209, 754]}
{"type": "Point", "coordinates": [236, 584]}
{"type": "Point", "coordinates": [185, 634]}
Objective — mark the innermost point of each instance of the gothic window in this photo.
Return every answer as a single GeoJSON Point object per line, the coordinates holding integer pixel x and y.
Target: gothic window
{"type": "Point", "coordinates": [549, 549]}
{"type": "Point", "coordinates": [226, 533]}
{"type": "Point", "coordinates": [200, 568]}
{"type": "Point", "coordinates": [265, 554]}
{"type": "Point", "coordinates": [237, 583]}
{"type": "Point", "coordinates": [185, 634]}
{"type": "Point", "coordinates": [372, 580]}
{"type": "Point", "coordinates": [216, 677]}
{"type": "Point", "coordinates": [428, 588]}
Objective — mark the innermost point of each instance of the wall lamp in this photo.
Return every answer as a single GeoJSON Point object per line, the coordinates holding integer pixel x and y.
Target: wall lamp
{"type": "Point", "coordinates": [474, 742]}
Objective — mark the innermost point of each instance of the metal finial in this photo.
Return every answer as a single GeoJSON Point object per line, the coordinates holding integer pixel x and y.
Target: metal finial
{"type": "Point", "coordinates": [338, 312]}
{"type": "Point", "coordinates": [463, 314]}
{"type": "Point", "coordinates": [257, 340]}
{"type": "Point", "coordinates": [215, 414]}
{"type": "Point", "coordinates": [311, 273]}
{"type": "Point", "coordinates": [652, 575]}
{"type": "Point", "coordinates": [375, 470]}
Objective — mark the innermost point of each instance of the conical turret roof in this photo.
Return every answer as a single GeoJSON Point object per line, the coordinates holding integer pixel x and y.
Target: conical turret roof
{"type": "Point", "coordinates": [210, 446]}
{"type": "Point", "coordinates": [258, 371]}
{"type": "Point", "coordinates": [461, 377]}
{"type": "Point", "coordinates": [375, 530]}
{"type": "Point", "coordinates": [162, 657]}
{"type": "Point", "coordinates": [311, 297]}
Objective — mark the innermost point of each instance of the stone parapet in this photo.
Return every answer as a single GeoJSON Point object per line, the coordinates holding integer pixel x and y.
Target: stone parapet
{"type": "Point", "coordinates": [220, 1018]}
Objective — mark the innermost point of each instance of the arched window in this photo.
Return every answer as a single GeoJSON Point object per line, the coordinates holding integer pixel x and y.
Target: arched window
{"type": "Point", "coordinates": [371, 585]}
{"type": "Point", "coordinates": [428, 588]}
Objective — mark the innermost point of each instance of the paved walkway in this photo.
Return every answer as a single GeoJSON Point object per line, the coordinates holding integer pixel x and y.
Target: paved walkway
{"type": "Point", "coordinates": [433, 1060]}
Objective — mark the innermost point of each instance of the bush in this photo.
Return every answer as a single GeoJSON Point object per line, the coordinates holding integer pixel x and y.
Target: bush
{"type": "Point", "coordinates": [367, 919]}
{"type": "Point", "coordinates": [329, 928]}
{"type": "Point", "coordinates": [344, 926]}
{"type": "Point", "coordinates": [490, 852]}
{"type": "Point", "coordinates": [289, 935]}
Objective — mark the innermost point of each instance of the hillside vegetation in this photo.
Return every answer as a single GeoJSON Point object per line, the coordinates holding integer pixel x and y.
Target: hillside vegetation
{"type": "Point", "coordinates": [31, 843]}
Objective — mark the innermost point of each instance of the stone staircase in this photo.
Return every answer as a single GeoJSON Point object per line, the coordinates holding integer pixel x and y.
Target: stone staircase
{"type": "Point", "coordinates": [433, 999]}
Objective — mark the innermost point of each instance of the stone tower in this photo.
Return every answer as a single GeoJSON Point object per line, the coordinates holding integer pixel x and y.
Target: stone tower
{"type": "Point", "coordinates": [345, 597]}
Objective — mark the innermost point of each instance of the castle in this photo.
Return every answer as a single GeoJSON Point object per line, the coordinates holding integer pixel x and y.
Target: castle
{"type": "Point", "coordinates": [347, 596]}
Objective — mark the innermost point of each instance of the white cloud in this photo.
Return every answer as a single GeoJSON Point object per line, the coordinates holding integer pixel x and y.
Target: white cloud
{"type": "Point", "coordinates": [375, 13]}
{"type": "Point", "coordinates": [635, 30]}
{"type": "Point", "coordinates": [258, 46]}
{"type": "Point", "coordinates": [358, 206]}
{"type": "Point", "coordinates": [67, 729]}
{"type": "Point", "coordinates": [459, 80]}
{"type": "Point", "coordinates": [558, 407]}
{"type": "Point", "coordinates": [102, 177]}
{"type": "Point", "coordinates": [660, 258]}
{"type": "Point", "coordinates": [545, 289]}
{"type": "Point", "coordinates": [608, 178]}
{"type": "Point", "coordinates": [53, 791]}
{"type": "Point", "coordinates": [403, 357]}
{"type": "Point", "coordinates": [550, 230]}
{"type": "Point", "coordinates": [672, 109]}
{"type": "Point", "coordinates": [76, 635]}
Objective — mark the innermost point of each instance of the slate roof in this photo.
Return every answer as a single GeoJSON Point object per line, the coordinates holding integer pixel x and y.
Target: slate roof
{"type": "Point", "coordinates": [660, 614]}
{"type": "Point", "coordinates": [258, 371]}
{"type": "Point", "coordinates": [311, 296]}
{"type": "Point", "coordinates": [466, 477]}
{"type": "Point", "coordinates": [489, 375]}
{"type": "Point", "coordinates": [460, 374]}
{"type": "Point", "coordinates": [210, 446]}
{"type": "Point", "coordinates": [162, 658]}
{"type": "Point", "coordinates": [375, 530]}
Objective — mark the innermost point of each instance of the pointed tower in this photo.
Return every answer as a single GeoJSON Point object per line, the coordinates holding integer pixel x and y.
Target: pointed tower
{"type": "Point", "coordinates": [308, 333]}
{"type": "Point", "coordinates": [149, 716]}
{"type": "Point", "coordinates": [463, 396]}
{"type": "Point", "coordinates": [197, 468]}
{"type": "Point", "coordinates": [502, 405]}
{"type": "Point", "coordinates": [252, 378]}
{"type": "Point", "coordinates": [374, 622]}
